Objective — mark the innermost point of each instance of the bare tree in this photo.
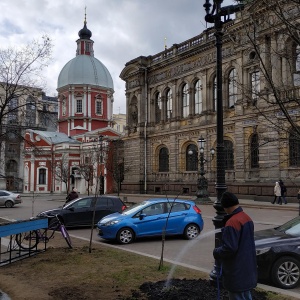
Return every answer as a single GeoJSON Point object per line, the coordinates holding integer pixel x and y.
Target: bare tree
{"type": "Point", "coordinates": [115, 162]}
{"type": "Point", "coordinates": [21, 82]}
{"type": "Point", "coordinates": [61, 170]}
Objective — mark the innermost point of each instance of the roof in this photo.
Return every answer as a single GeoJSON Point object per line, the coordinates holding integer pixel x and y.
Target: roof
{"type": "Point", "coordinates": [55, 137]}
{"type": "Point", "coordinates": [85, 69]}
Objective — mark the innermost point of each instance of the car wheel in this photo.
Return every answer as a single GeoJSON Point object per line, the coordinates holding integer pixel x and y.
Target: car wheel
{"type": "Point", "coordinates": [286, 272]}
{"type": "Point", "coordinates": [9, 204]}
{"type": "Point", "coordinates": [191, 231]}
{"type": "Point", "coordinates": [125, 236]}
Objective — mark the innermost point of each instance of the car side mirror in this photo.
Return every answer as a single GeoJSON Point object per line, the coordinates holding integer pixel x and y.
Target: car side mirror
{"type": "Point", "coordinates": [71, 208]}
{"type": "Point", "coordinates": [142, 216]}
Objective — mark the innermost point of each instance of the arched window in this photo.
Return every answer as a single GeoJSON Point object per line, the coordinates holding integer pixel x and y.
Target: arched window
{"type": "Point", "coordinates": [158, 108]}
{"type": "Point", "coordinates": [42, 176]}
{"type": "Point", "coordinates": [185, 100]}
{"type": "Point", "coordinates": [169, 104]}
{"type": "Point", "coordinates": [232, 88]}
{"type": "Point", "coordinates": [215, 94]}
{"type": "Point", "coordinates": [198, 97]}
{"type": "Point", "coordinates": [294, 148]}
{"type": "Point", "coordinates": [191, 157]}
{"type": "Point", "coordinates": [163, 160]}
{"type": "Point", "coordinates": [254, 151]}
{"type": "Point", "coordinates": [228, 155]}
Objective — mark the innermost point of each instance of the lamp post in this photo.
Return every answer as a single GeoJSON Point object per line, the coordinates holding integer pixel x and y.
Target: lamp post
{"type": "Point", "coordinates": [202, 195]}
{"type": "Point", "coordinates": [214, 16]}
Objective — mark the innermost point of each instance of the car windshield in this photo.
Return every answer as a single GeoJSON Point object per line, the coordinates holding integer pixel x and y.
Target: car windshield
{"type": "Point", "coordinates": [135, 208]}
{"type": "Point", "coordinates": [291, 227]}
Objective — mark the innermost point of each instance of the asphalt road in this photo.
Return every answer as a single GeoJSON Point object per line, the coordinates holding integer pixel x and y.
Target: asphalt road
{"type": "Point", "coordinates": [195, 254]}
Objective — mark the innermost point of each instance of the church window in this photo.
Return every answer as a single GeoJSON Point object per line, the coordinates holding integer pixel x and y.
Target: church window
{"type": "Point", "coordinates": [42, 176]}
{"type": "Point", "coordinates": [79, 105]}
{"type": "Point", "coordinates": [99, 107]}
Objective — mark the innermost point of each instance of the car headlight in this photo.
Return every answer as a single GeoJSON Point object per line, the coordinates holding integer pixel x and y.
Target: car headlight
{"type": "Point", "coordinates": [111, 223]}
{"type": "Point", "coordinates": [262, 250]}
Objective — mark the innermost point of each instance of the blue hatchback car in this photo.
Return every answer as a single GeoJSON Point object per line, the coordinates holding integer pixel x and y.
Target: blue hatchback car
{"type": "Point", "coordinates": [151, 218]}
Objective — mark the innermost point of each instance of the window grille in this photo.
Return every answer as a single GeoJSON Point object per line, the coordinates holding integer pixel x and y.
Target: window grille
{"type": "Point", "coordinates": [228, 155]}
{"type": "Point", "coordinates": [254, 152]}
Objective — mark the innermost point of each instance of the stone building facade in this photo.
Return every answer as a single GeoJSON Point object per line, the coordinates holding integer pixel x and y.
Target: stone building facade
{"type": "Point", "coordinates": [171, 102]}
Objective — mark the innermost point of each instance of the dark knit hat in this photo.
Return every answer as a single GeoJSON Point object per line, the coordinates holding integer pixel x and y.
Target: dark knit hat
{"type": "Point", "coordinates": [228, 200]}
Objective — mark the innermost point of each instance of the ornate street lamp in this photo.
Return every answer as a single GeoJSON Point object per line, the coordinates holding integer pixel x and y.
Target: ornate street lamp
{"type": "Point", "coordinates": [214, 16]}
{"type": "Point", "coordinates": [202, 195]}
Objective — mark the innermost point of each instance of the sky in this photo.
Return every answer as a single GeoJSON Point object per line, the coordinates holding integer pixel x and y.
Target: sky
{"type": "Point", "coordinates": [121, 30]}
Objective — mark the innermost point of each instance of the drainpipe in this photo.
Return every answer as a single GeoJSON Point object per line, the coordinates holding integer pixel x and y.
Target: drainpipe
{"type": "Point", "coordinates": [145, 130]}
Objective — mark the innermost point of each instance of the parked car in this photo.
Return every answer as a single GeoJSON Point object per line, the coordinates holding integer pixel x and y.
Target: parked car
{"type": "Point", "coordinates": [149, 218]}
{"type": "Point", "coordinates": [9, 199]}
{"type": "Point", "coordinates": [278, 254]}
{"type": "Point", "coordinates": [79, 212]}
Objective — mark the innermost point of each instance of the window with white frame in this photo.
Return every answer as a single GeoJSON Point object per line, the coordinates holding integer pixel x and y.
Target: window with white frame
{"type": "Point", "coordinates": [42, 176]}
{"type": "Point", "coordinates": [185, 101]}
{"type": "Point", "coordinates": [198, 97]}
{"type": "Point", "coordinates": [99, 106]}
{"type": "Point", "coordinates": [232, 88]}
{"type": "Point", "coordinates": [79, 105]}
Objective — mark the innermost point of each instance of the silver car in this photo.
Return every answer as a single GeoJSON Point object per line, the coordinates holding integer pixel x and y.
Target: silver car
{"type": "Point", "coordinates": [9, 199]}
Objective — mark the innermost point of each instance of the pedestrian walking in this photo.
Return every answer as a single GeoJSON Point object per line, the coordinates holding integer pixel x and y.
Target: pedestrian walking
{"type": "Point", "coordinates": [277, 193]}
{"type": "Point", "coordinates": [236, 255]}
{"type": "Point", "coordinates": [283, 191]}
{"type": "Point", "coordinates": [73, 195]}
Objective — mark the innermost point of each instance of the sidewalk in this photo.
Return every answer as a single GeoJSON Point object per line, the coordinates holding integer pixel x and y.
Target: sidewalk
{"type": "Point", "coordinates": [243, 202]}
{"type": "Point", "coordinates": [136, 198]}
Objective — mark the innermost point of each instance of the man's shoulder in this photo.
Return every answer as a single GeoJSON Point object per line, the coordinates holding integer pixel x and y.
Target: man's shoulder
{"type": "Point", "coordinates": [239, 219]}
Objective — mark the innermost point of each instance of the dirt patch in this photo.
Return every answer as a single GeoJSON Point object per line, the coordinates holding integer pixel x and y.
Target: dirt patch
{"type": "Point", "coordinates": [105, 273]}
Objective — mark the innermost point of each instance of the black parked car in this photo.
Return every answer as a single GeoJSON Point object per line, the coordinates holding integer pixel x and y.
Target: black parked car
{"type": "Point", "coordinates": [278, 254]}
{"type": "Point", "coordinates": [79, 212]}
